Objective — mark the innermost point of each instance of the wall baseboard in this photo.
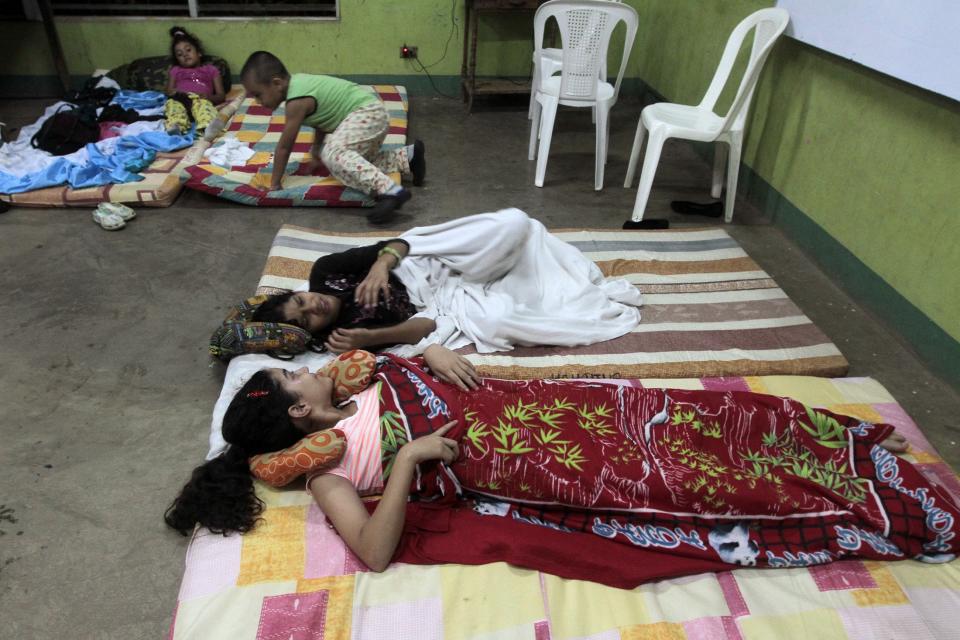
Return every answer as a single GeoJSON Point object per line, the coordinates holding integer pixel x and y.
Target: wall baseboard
{"type": "Point", "coordinates": [938, 349]}
{"type": "Point", "coordinates": [416, 84]}
{"type": "Point", "coordinates": [12, 87]}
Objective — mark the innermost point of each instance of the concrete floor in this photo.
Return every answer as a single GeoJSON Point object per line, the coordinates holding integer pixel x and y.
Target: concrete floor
{"type": "Point", "coordinates": [107, 390]}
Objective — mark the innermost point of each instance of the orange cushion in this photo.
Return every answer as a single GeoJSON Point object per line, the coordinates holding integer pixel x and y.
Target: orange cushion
{"type": "Point", "coordinates": [351, 373]}
{"type": "Point", "coordinates": [318, 451]}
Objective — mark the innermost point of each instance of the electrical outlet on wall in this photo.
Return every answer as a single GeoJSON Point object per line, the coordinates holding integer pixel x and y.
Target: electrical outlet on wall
{"type": "Point", "coordinates": [408, 51]}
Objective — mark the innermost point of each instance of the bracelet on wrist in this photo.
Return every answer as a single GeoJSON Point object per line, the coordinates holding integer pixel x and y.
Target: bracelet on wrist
{"type": "Point", "coordinates": [393, 252]}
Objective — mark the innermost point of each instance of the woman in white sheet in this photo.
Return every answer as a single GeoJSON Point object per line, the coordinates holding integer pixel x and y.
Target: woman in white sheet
{"type": "Point", "coordinates": [494, 279]}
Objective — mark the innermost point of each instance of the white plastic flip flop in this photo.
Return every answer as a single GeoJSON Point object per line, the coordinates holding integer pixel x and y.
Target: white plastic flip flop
{"type": "Point", "coordinates": [109, 221]}
{"type": "Point", "coordinates": [122, 211]}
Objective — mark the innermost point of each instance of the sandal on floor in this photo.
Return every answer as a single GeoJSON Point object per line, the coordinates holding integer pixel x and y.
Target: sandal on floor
{"type": "Point", "coordinates": [109, 221]}
{"type": "Point", "coordinates": [122, 211]}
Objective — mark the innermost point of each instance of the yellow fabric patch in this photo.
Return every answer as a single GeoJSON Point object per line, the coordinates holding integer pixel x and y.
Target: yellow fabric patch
{"type": "Point", "coordinates": [927, 576]}
{"type": "Point", "coordinates": [819, 623]}
{"type": "Point", "coordinates": [260, 157]}
{"type": "Point", "coordinates": [655, 631]}
{"type": "Point", "coordinates": [888, 591]}
{"type": "Point", "coordinates": [756, 384]}
{"type": "Point", "coordinates": [863, 412]}
{"type": "Point", "coordinates": [510, 598]}
{"type": "Point", "coordinates": [402, 583]}
{"type": "Point", "coordinates": [672, 383]}
{"type": "Point", "coordinates": [274, 550]}
{"type": "Point", "coordinates": [261, 180]}
{"type": "Point", "coordinates": [579, 608]}
{"type": "Point", "coordinates": [339, 604]}
{"type": "Point", "coordinates": [819, 392]}
{"type": "Point", "coordinates": [251, 119]}
{"type": "Point", "coordinates": [248, 136]}
{"type": "Point", "coordinates": [921, 457]}
{"type": "Point", "coordinates": [862, 390]}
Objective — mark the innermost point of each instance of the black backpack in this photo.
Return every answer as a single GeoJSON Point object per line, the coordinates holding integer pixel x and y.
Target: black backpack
{"type": "Point", "coordinates": [67, 130]}
{"type": "Point", "coordinates": [90, 93]}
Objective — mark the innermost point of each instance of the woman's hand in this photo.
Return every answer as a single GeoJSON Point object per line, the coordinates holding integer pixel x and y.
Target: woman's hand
{"type": "Point", "coordinates": [377, 282]}
{"type": "Point", "coordinates": [432, 447]}
{"type": "Point", "coordinates": [451, 367]}
{"type": "Point", "coordinates": [341, 340]}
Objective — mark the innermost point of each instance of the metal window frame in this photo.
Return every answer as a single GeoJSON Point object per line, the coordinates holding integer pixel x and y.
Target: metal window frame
{"type": "Point", "coordinates": [193, 10]}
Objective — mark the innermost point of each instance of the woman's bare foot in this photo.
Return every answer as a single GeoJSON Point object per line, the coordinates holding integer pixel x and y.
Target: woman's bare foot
{"type": "Point", "coordinates": [896, 443]}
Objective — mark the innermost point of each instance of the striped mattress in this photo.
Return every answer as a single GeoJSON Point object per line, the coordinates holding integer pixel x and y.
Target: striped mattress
{"type": "Point", "coordinates": [709, 309]}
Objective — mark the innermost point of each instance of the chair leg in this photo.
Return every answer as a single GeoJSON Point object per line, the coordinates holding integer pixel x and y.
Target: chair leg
{"type": "Point", "coordinates": [548, 113]}
{"type": "Point", "coordinates": [600, 147]}
{"type": "Point", "coordinates": [534, 129]}
{"type": "Point", "coordinates": [720, 153]}
{"type": "Point", "coordinates": [733, 172]}
{"type": "Point", "coordinates": [650, 161]}
{"type": "Point", "coordinates": [534, 83]}
{"type": "Point", "coordinates": [606, 141]}
{"type": "Point", "coordinates": [635, 154]}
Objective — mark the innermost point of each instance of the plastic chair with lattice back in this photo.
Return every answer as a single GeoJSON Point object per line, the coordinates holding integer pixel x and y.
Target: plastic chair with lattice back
{"type": "Point", "coordinates": [549, 61]}
{"type": "Point", "coordinates": [585, 28]}
{"type": "Point", "coordinates": [668, 120]}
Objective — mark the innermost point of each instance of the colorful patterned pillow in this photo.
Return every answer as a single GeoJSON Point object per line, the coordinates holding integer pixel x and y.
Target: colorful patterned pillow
{"type": "Point", "coordinates": [318, 451]}
{"type": "Point", "coordinates": [239, 334]}
{"type": "Point", "coordinates": [351, 373]}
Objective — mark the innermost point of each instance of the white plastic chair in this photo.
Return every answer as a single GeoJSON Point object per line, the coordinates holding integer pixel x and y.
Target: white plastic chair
{"type": "Point", "coordinates": [668, 120]}
{"type": "Point", "coordinates": [550, 60]}
{"type": "Point", "coordinates": [585, 28]}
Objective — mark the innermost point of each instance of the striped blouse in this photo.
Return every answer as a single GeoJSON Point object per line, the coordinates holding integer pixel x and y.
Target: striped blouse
{"type": "Point", "coordinates": [361, 461]}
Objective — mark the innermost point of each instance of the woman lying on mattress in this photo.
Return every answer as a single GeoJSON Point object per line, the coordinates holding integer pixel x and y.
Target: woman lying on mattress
{"type": "Point", "coordinates": [560, 471]}
{"type": "Point", "coordinates": [494, 279]}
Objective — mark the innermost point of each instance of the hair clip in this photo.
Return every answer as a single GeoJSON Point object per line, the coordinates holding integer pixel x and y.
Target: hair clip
{"type": "Point", "coordinates": [258, 394]}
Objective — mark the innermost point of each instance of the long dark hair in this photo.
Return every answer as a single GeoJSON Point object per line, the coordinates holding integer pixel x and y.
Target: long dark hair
{"type": "Point", "coordinates": [178, 35]}
{"type": "Point", "coordinates": [220, 494]}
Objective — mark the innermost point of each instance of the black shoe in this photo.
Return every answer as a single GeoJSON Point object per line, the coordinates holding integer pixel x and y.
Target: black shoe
{"type": "Point", "coordinates": [709, 209]}
{"type": "Point", "coordinates": [418, 166]}
{"type": "Point", "coordinates": [387, 204]}
{"type": "Point", "coordinates": [649, 223]}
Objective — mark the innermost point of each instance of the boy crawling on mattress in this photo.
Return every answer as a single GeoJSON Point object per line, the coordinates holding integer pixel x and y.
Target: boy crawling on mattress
{"type": "Point", "coordinates": [350, 123]}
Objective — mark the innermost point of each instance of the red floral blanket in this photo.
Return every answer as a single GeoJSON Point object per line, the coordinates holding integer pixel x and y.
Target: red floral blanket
{"type": "Point", "coordinates": [714, 477]}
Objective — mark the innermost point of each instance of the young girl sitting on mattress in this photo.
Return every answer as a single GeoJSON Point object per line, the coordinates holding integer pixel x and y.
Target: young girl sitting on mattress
{"type": "Point", "coordinates": [350, 125]}
{"type": "Point", "coordinates": [709, 477]}
{"type": "Point", "coordinates": [494, 279]}
{"type": "Point", "coordinates": [193, 87]}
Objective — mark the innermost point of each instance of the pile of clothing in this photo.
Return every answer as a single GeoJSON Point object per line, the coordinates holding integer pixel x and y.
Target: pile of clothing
{"type": "Point", "coordinates": [102, 135]}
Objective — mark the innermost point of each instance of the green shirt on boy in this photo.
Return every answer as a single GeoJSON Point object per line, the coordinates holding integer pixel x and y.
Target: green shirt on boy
{"type": "Point", "coordinates": [336, 98]}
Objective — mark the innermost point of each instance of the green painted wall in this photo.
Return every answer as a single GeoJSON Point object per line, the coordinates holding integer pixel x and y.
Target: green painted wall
{"type": "Point", "coordinates": [365, 40]}
{"type": "Point", "coordinates": [873, 161]}
{"type": "Point", "coordinates": [869, 162]}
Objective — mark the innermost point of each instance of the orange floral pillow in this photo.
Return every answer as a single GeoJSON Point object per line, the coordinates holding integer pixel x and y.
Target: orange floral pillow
{"type": "Point", "coordinates": [351, 373]}
{"type": "Point", "coordinates": [318, 451]}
